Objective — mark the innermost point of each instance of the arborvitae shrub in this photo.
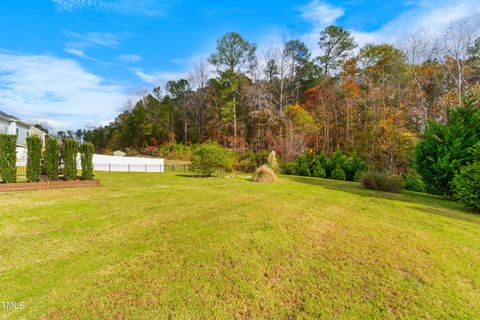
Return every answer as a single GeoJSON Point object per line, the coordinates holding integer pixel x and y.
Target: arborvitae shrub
{"type": "Point", "coordinates": [34, 158]}
{"type": "Point", "coordinates": [321, 159]}
{"type": "Point", "coordinates": [303, 169]}
{"type": "Point", "coordinates": [466, 183]}
{"type": "Point", "coordinates": [8, 157]}
{"type": "Point", "coordinates": [264, 174]}
{"type": "Point", "coordinates": [86, 156]}
{"type": "Point", "coordinates": [43, 164]}
{"type": "Point", "coordinates": [444, 147]}
{"type": "Point", "coordinates": [338, 173]}
{"type": "Point", "coordinates": [337, 160]}
{"type": "Point", "coordinates": [380, 181]}
{"type": "Point", "coordinates": [303, 164]}
{"type": "Point", "coordinates": [52, 158]}
{"type": "Point", "coordinates": [338, 166]}
{"type": "Point", "coordinates": [318, 170]}
{"type": "Point", "coordinates": [70, 150]}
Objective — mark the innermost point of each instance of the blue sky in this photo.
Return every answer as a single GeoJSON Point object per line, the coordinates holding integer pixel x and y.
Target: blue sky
{"type": "Point", "coordinates": [74, 63]}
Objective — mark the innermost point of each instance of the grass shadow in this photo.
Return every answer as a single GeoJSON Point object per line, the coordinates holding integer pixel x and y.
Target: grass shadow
{"type": "Point", "coordinates": [227, 176]}
{"type": "Point", "coordinates": [466, 215]}
{"type": "Point", "coordinates": [424, 202]}
{"type": "Point", "coordinates": [183, 175]}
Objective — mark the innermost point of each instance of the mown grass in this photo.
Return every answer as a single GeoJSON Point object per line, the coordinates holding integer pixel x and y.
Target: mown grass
{"type": "Point", "coordinates": [157, 246]}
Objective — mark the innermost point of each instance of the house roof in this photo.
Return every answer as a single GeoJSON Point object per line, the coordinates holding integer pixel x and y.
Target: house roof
{"type": "Point", "coordinates": [13, 118]}
{"type": "Point", "coordinates": [8, 116]}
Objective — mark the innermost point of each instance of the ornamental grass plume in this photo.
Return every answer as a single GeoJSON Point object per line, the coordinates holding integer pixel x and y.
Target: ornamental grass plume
{"type": "Point", "coordinates": [272, 162]}
{"type": "Point", "coordinates": [264, 174]}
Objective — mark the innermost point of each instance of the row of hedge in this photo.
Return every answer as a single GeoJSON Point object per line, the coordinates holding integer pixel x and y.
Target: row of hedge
{"type": "Point", "coordinates": [338, 166]}
{"type": "Point", "coordinates": [47, 163]}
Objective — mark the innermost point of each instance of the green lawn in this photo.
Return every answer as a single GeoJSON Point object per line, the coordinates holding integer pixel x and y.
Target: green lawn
{"type": "Point", "coordinates": [146, 246]}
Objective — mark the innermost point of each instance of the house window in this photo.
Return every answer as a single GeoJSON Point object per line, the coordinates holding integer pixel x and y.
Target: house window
{"type": "Point", "coordinates": [5, 129]}
{"type": "Point", "coordinates": [28, 132]}
{"type": "Point", "coordinates": [17, 132]}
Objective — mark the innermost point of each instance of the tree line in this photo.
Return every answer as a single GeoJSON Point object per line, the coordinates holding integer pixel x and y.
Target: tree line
{"type": "Point", "coordinates": [373, 101]}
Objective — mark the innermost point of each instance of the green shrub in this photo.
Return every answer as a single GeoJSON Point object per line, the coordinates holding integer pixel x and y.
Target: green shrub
{"type": "Point", "coordinates": [466, 185]}
{"type": "Point", "coordinates": [353, 164]}
{"type": "Point", "coordinates": [303, 169]}
{"type": "Point", "coordinates": [70, 150]}
{"type": "Point", "coordinates": [8, 158]}
{"type": "Point", "coordinates": [52, 158]}
{"type": "Point", "coordinates": [318, 170]}
{"type": "Point", "coordinates": [380, 181]}
{"type": "Point", "coordinates": [34, 155]}
{"type": "Point", "coordinates": [338, 173]}
{"type": "Point", "coordinates": [303, 163]}
{"type": "Point", "coordinates": [320, 160]}
{"type": "Point", "coordinates": [444, 148]}
{"type": "Point", "coordinates": [264, 174]}
{"type": "Point", "coordinates": [86, 156]}
{"type": "Point", "coordinates": [289, 167]}
{"type": "Point", "coordinates": [336, 160]}
{"type": "Point", "coordinates": [210, 158]}
{"type": "Point", "coordinates": [338, 166]}
{"type": "Point", "coordinates": [358, 176]}
{"type": "Point", "coordinates": [43, 164]}
{"type": "Point", "coordinates": [413, 182]}
{"type": "Point", "coordinates": [272, 162]}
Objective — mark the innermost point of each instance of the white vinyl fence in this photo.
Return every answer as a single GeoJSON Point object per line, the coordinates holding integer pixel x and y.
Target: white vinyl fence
{"type": "Point", "coordinates": [126, 164]}
{"type": "Point", "coordinates": [112, 164]}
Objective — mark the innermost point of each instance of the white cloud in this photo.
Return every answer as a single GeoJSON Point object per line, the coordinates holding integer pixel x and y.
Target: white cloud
{"type": "Point", "coordinates": [92, 39]}
{"type": "Point", "coordinates": [159, 78]}
{"type": "Point", "coordinates": [81, 42]}
{"type": "Point", "coordinates": [75, 52]}
{"type": "Point", "coordinates": [124, 7]}
{"type": "Point", "coordinates": [431, 15]}
{"type": "Point", "coordinates": [130, 58]}
{"type": "Point", "coordinates": [81, 54]}
{"type": "Point", "coordinates": [60, 91]}
{"type": "Point", "coordinates": [320, 13]}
